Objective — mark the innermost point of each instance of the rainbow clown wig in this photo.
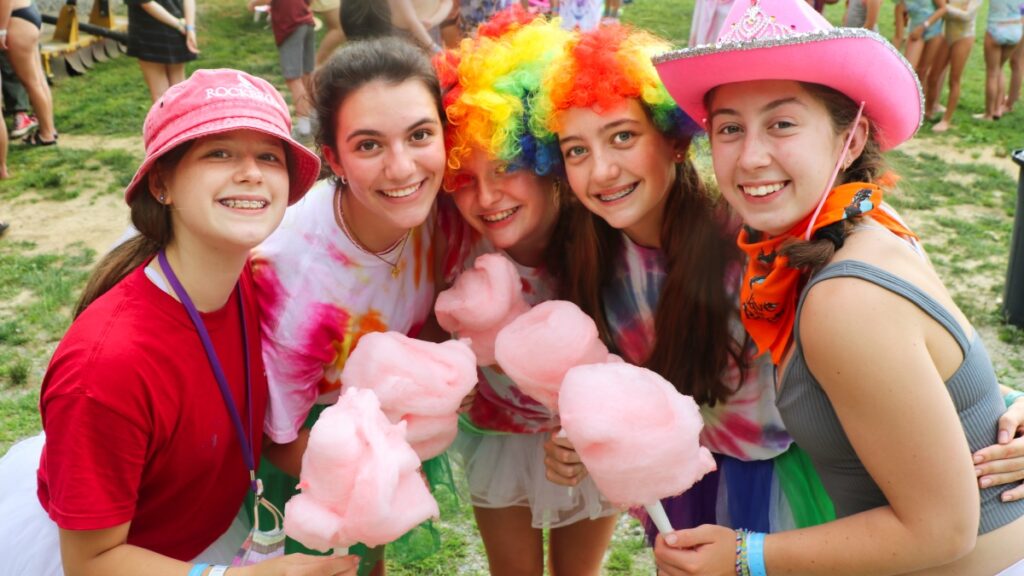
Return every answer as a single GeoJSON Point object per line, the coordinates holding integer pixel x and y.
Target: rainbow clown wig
{"type": "Point", "coordinates": [601, 69]}
{"type": "Point", "coordinates": [490, 85]}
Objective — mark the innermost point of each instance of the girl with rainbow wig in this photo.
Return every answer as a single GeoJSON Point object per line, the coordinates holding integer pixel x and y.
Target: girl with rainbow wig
{"type": "Point", "coordinates": [504, 179]}
{"type": "Point", "coordinates": [655, 265]}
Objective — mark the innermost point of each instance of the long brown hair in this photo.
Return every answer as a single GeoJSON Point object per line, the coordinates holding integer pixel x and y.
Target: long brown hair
{"type": "Point", "coordinates": [693, 343]}
{"type": "Point", "coordinates": [153, 221]}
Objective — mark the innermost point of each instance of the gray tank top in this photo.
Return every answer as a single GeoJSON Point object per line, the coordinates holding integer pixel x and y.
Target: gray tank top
{"type": "Point", "coordinates": [813, 424]}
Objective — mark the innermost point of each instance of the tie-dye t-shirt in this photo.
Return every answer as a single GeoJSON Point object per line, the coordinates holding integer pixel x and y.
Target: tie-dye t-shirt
{"type": "Point", "coordinates": [747, 426]}
{"type": "Point", "coordinates": [499, 404]}
{"type": "Point", "coordinates": [320, 293]}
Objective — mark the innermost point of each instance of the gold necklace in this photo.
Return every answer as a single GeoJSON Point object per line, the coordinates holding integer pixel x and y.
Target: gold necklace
{"type": "Point", "coordinates": [396, 266]}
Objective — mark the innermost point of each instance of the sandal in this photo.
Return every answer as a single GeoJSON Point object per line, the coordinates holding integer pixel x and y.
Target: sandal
{"type": "Point", "coordinates": [34, 139]}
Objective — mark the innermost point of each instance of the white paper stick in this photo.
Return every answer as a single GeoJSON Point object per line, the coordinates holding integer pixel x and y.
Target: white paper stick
{"type": "Point", "coordinates": [339, 552]}
{"type": "Point", "coordinates": [658, 516]}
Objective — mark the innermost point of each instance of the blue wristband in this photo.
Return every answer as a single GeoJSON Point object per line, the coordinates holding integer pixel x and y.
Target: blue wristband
{"type": "Point", "coordinates": [197, 570]}
{"type": "Point", "coordinates": [755, 554]}
{"type": "Point", "coordinates": [1012, 397]}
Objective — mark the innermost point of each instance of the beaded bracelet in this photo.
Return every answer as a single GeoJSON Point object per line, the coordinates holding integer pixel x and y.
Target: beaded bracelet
{"type": "Point", "coordinates": [742, 569]}
{"type": "Point", "coordinates": [197, 570]}
{"type": "Point", "coordinates": [1012, 397]}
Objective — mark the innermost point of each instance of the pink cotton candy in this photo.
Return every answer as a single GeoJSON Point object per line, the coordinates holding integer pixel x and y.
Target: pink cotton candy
{"type": "Point", "coordinates": [482, 301]}
{"type": "Point", "coordinates": [421, 383]}
{"type": "Point", "coordinates": [360, 480]}
{"type": "Point", "coordinates": [539, 347]}
{"type": "Point", "coordinates": [637, 435]}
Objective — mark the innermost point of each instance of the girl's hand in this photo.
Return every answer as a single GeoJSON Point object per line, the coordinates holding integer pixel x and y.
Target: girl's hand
{"type": "Point", "coordinates": [562, 461]}
{"type": "Point", "coordinates": [707, 550]}
{"type": "Point", "coordinates": [190, 42]}
{"type": "Point", "coordinates": [1003, 462]}
{"type": "Point", "coordinates": [917, 33]}
{"type": "Point", "coordinates": [467, 402]}
{"type": "Point", "coordinates": [303, 565]}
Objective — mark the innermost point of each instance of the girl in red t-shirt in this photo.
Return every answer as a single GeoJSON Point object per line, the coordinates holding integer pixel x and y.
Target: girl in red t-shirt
{"type": "Point", "coordinates": [148, 404]}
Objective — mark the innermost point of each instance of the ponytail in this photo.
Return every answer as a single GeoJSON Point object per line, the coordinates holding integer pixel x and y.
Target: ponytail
{"type": "Point", "coordinates": [153, 221]}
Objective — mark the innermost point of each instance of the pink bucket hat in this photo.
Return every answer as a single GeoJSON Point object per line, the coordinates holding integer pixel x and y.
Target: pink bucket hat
{"type": "Point", "coordinates": [789, 40]}
{"type": "Point", "coordinates": [222, 100]}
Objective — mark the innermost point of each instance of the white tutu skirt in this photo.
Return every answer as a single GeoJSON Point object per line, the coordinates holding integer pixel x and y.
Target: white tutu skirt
{"type": "Point", "coordinates": [30, 540]}
{"type": "Point", "coordinates": [508, 470]}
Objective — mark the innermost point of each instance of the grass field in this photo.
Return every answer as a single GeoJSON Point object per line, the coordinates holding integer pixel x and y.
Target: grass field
{"type": "Point", "coordinates": [959, 191]}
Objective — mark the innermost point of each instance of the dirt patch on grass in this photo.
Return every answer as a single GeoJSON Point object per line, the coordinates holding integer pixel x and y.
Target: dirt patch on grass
{"type": "Point", "coordinates": [97, 221]}
{"type": "Point", "coordinates": [131, 144]}
{"type": "Point", "coordinates": [952, 154]}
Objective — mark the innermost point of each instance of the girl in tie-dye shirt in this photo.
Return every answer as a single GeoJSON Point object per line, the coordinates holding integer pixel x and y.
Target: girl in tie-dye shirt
{"type": "Point", "coordinates": [355, 255]}
{"type": "Point", "coordinates": [656, 266]}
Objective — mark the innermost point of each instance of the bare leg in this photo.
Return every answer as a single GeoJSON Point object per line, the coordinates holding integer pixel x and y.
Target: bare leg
{"type": "Point", "coordinates": [157, 78]}
{"type": "Point", "coordinates": [333, 38]}
{"type": "Point", "coordinates": [175, 74]}
{"type": "Point", "coordinates": [578, 549]}
{"type": "Point", "coordinates": [514, 547]}
{"type": "Point", "coordinates": [933, 86]}
{"type": "Point", "coordinates": [3, 152]}
{"type": "Point", "coordinates": [300, 96]}
{"type": "Point", "coordinates": [1016, 74]}
{"type": "Point", "coordinates": [1005, 53]}
{"type": "Point", "coordinates": [23, 52]}
{"type": "Point", "coordinates": [958, 55]}
{"type": "Point", "coordinates": [924, 65]}
{"type": "Point", "coordinates": [992, 73]}
{"type": "Point", "coordinates": [914, 50]}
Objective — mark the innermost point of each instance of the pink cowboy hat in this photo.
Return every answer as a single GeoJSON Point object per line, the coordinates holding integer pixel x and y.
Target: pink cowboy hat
{"type": "Point", "coordinates": [789, 40]}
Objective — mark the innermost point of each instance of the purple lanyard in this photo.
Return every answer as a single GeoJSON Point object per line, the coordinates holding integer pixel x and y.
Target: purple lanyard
{"type": "Point", "coordinates": [218, 373]}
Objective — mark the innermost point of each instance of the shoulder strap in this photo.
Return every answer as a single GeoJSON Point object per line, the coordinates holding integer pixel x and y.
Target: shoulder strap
{"type": "Point", "coordinates": [892, 283]}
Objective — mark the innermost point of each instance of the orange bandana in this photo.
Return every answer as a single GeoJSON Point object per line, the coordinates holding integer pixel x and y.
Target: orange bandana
{"type": "Point", "coordinates": [770, 286]}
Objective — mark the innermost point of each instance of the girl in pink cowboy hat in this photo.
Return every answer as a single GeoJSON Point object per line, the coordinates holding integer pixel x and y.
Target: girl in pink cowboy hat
{"type": "Point", "coordinates": [881, 378]}
{"type": "Point", "coordinates": [152, 402]}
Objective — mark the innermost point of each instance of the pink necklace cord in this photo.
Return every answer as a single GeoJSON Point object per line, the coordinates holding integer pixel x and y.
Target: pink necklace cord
{"type": "Point", "coordinates": [835, 174]}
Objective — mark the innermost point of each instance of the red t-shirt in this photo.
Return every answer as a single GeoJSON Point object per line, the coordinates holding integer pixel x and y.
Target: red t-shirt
{"type": "Point", "coordinates": [136, 427]}
{"type": "Point", "coordinates": [287, 15]}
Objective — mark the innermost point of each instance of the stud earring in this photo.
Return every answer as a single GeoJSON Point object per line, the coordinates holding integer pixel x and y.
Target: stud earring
{"type": "Point", "coordinates": [162, 199]}
{"type": "Point", "coordinates": [343, 180]}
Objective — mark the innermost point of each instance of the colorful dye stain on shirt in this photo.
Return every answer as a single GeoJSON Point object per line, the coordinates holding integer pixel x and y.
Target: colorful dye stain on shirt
{"type": "Point", "coordinates": [320, 294]}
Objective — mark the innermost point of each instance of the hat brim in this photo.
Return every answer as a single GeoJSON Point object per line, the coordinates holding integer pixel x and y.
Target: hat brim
{"type": "Point", "coordinates": [303, 164]}
{"type": "Point", "coordinates": [857, 62]}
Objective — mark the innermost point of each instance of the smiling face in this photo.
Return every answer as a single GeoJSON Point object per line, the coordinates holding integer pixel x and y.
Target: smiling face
{"type": "Point", "coordinates": [390, 149]}
{"type": "Point", "coordinates": [774, 148]}
{"type": "Point", "coordinates": [620, 167]}
{"type": "Point", "coordinates": [229, 191]}
{"type": "Point", "coordinates": [514, 210]}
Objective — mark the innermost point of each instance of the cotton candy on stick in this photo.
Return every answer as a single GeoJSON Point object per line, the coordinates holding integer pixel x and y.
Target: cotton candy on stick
{"type": "Point", "coordinates": [635, 433]}
{"type": "Point", "coordinates": [418, 382]}
{"type": "Point", "coordinates": [538, 348]}
{"type": "Point", "coordinates": [482, 301]}
{"type": "Point", "coordinates": [360, 479]}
